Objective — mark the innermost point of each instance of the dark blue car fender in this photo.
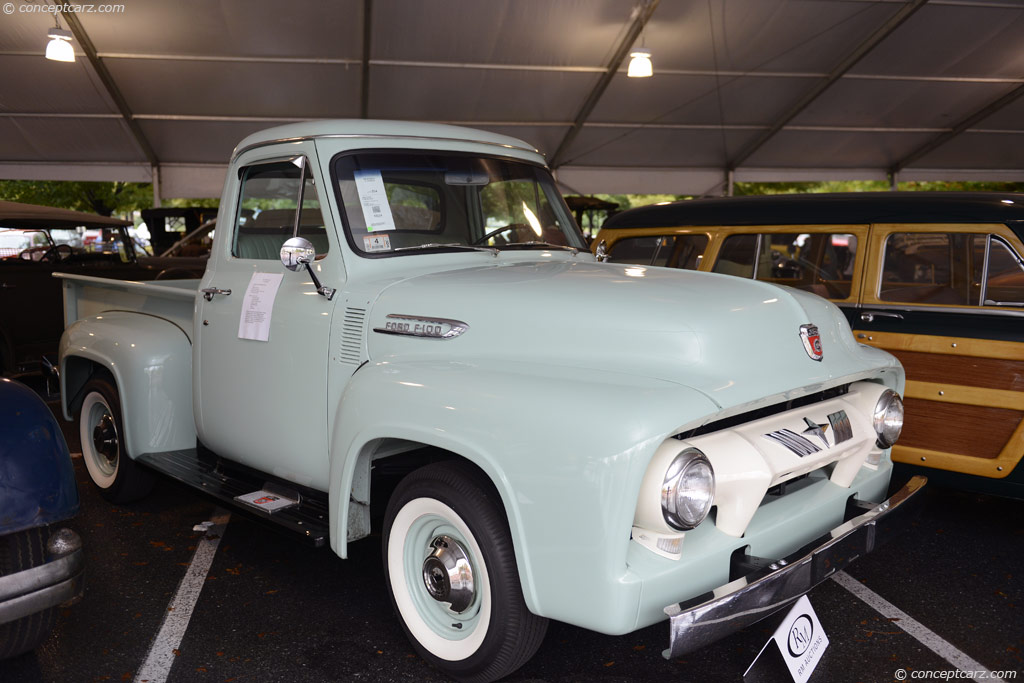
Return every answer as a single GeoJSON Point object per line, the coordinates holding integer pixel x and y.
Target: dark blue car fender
{"type": "Point", "coordinates": [37, 479]}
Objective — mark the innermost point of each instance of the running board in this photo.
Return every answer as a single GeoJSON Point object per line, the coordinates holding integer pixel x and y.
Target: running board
{"type": "Point", "coordinates": [216, 477]}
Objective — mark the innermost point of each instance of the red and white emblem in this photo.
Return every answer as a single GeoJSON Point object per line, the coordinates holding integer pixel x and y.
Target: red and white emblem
{"type": "Point", "coordinates": [812, 341]}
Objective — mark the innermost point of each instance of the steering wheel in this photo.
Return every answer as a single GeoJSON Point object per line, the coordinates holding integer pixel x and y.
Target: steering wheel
{"type": "Point", "coordinates": [57, 253]}
{"type": "Point", "coordinates": [511, 228]}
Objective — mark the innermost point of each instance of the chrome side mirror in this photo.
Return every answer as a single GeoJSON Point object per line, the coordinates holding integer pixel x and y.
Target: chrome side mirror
{"type": "Point", "coordinates": [602, 251]}
{"type": "Point", "coordinates": [296, 252]}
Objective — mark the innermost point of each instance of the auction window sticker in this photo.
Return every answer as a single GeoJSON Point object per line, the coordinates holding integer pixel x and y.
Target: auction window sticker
{"type": "Point", "coordinates": [373, 199]}
{"type": "Point", "coordinates": [376, 243]}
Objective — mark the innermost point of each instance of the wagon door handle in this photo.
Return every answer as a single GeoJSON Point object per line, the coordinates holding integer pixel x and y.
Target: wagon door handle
{"type": "Point", "coordinates": [210, 292]}
{"type": "Point", "coordinates": [869, 316]}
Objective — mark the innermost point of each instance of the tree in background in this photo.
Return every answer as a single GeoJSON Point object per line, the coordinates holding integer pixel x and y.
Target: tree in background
{"type": "Point", "coordinates": [102, 198]}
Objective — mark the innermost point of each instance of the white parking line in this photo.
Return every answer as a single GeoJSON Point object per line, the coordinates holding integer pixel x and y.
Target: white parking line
{"type": "Point", "coordinates": [161, 655]}
{"type": "Point", "coordinates": [926, 636]}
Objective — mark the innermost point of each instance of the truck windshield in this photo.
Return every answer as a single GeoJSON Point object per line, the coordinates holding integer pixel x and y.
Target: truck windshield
{"type": "Point", "coordinates": [405, 203]}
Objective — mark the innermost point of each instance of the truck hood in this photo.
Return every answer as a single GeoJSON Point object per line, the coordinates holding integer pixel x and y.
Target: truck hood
{"type": "Point", "coordinates": [735, 340]}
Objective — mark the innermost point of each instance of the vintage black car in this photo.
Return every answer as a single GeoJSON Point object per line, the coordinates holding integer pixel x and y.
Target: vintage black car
{"type": "Point", "coordinates": [37, 241]}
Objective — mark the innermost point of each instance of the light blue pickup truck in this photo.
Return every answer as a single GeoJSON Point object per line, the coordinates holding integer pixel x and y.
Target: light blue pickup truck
{"type": "Point", "coordinates": [605, 445]}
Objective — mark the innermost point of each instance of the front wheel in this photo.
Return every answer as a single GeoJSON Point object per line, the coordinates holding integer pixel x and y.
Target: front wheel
{"type": "Point", "coordinates": [451, 571]}
{"type": "Point", "coordinates": [101, 429]}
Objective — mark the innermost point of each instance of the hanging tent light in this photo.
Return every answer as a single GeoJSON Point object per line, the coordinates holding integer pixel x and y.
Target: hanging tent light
{"type": "Point", "coordinates": [640, 63]}
{"type": "Point", "coordinates": [59, 49]}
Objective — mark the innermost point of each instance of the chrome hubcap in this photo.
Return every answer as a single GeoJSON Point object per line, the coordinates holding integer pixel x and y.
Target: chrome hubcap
{"type": "Point", "coordinates": [448, 575]}
{"type": "Point", "coordinates": [104, 439]}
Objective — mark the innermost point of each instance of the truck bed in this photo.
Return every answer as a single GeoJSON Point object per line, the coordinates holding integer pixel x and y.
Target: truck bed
{"type": "Point", "coordinates": [86, 296]}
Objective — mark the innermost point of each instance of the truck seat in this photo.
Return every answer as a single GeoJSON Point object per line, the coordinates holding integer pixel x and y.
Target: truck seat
{"type": "Point", "coordinates": [262, 239]}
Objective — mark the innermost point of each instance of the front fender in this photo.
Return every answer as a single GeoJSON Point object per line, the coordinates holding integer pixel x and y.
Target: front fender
{"type": "Point", "coordinates": [37, 480]}
{"type": "Point", "coordinates": [566, 450]}
{"type": "Point", "coordinates": [151, 361]}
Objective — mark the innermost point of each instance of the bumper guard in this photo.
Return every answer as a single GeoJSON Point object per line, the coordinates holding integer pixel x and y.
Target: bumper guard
{"type": "Point", "coordinates": [773, 584]}
{"type": "Point", "coordinates": [52, 583]}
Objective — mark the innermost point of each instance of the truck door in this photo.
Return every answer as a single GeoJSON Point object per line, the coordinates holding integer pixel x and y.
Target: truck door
{"type": "Point", "coordinates": [262, 331]}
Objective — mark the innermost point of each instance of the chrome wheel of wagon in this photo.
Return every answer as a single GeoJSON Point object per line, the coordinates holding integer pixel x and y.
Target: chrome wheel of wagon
{"type": "Point", "coordinates": [452, 574]}
{"type": "Point", "coordinates": [101, 430]}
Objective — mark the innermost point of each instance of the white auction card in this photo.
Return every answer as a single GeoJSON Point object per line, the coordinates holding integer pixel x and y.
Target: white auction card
{"type": "Point", "coordinates": [258, 306]}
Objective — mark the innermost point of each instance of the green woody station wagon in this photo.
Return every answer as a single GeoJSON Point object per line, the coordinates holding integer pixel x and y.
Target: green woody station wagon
{"type": "Point", "coordinates": [937, 279]}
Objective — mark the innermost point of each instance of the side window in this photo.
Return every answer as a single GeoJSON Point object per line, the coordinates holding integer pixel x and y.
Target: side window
{"type": "Point", "coordinates": [930, 268]}
{"type": "Point", "coordinates": [1005, 283]}
{"type": "Point", "coordinates": [267, 211]}
{"type": "Point", "coordinates": [821, 263]}
{"type": "Point", "coordinates": [674, 251]}
{"type": "Point", "coordinates": [639, 251]}
{"type": "Point", "coordinates": [737, 256]}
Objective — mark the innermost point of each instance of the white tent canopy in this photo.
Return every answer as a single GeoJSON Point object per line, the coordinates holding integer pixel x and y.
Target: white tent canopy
{"type": "Point", "coordinates": [763, 90]}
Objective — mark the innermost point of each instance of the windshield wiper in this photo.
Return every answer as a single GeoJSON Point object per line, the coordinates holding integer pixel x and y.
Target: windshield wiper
{"type": "Point", "coordinates": [535, 243]}
{"type": "Point", "coordinates": [451, 245]}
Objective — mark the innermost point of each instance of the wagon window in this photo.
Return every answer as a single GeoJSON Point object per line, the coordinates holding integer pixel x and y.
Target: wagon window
{"type": "Point", "coordinates": [820, 263]}
{"type": "Point", "coordinates": [929, 268]}
{"type": "Point", "coordinates": [674, 251]}
{"type": "Point", "coordinates": [1005, 283]}
{"type": "Point", "coordinates": [737, 256]}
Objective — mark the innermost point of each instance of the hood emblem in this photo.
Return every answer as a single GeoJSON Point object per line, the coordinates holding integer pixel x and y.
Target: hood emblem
{"type": "Point", "coordinates": [812, 341]}
{"type": "Point", "coordinates": [422, 326]}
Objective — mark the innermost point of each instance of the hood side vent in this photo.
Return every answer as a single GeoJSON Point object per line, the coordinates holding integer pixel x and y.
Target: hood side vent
{"type": "Point", "coordinates": [352, 333]}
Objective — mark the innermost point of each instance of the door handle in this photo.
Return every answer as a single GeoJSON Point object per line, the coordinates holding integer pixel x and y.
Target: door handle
{"type": "Point", "coordinates": [869, 316]}
{"type": "Point", "coordinates": [210, 292]}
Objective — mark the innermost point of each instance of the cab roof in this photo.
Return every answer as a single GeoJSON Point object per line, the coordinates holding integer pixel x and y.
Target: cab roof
{"type": "Point", "coordinates": [379, 128]}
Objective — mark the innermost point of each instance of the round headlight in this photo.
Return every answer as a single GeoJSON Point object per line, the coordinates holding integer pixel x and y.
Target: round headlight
{"type": "Point", "coordinates": [688, 490]}
{"type": "Point", "coordinates": [888, 418]}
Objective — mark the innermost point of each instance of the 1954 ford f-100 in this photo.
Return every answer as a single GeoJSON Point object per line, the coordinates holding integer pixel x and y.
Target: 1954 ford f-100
{"type": "Point", "coordinates": [601, 444]}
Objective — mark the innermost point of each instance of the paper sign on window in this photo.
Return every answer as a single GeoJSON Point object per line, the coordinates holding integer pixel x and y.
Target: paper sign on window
{"type": "Point", "coordinates": [374, 200]}
{"type": "Point", "coordinates": [258, 306]}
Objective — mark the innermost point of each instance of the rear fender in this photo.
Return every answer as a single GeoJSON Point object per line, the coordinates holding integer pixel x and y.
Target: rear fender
{"type": "Point", "coordinates": [150, 360]}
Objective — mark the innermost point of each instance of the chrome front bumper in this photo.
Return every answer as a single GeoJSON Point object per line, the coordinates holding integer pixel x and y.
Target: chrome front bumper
{"type": "Point", "coordinates": [778, 582]}
{"type": "Point", "coordinates": [55, 582]}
